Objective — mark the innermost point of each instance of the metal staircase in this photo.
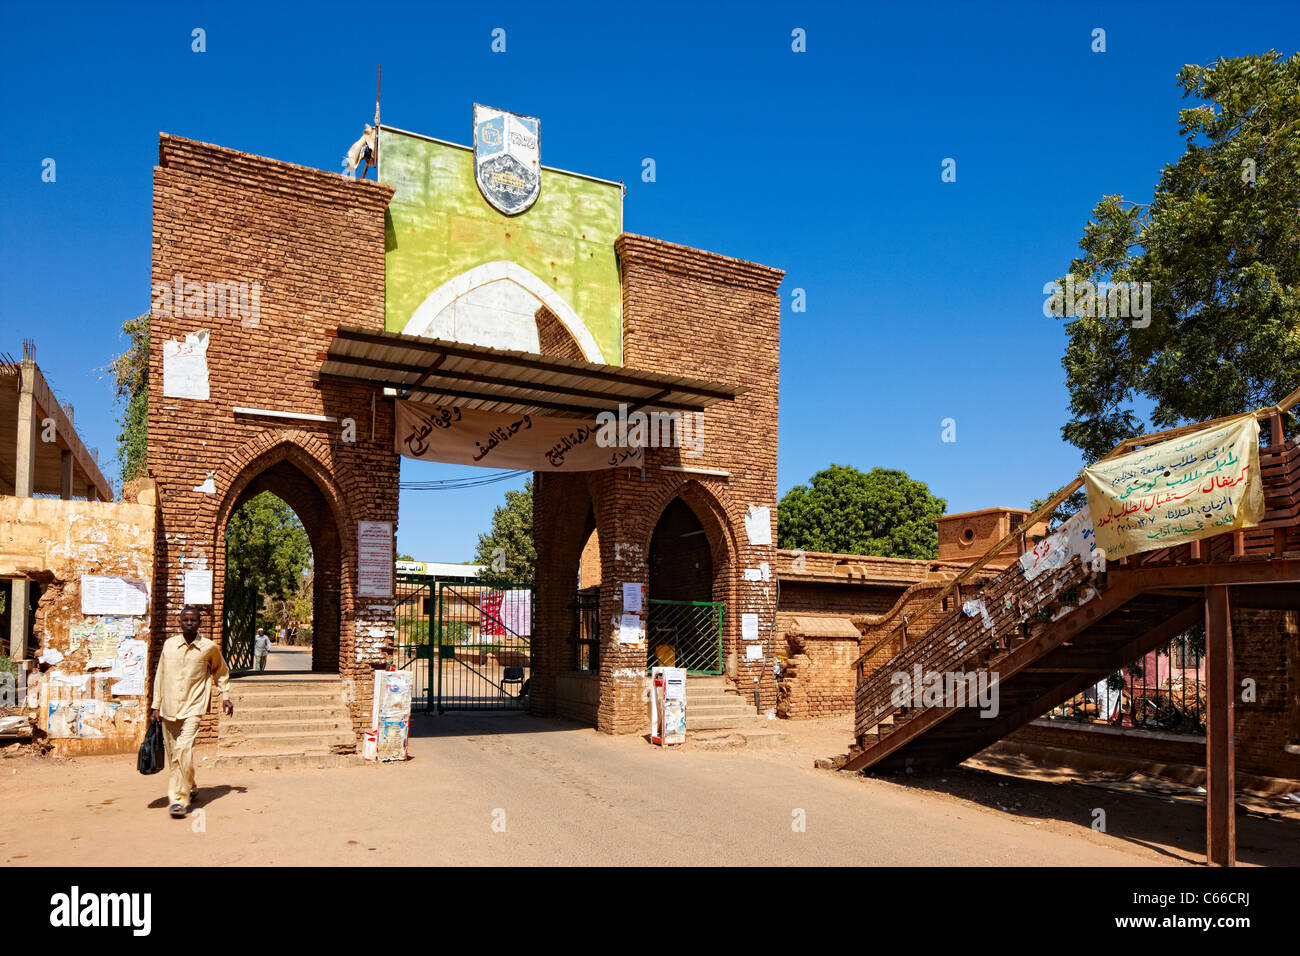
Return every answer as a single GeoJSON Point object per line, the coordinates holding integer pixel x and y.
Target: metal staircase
{"type": "Point", "coordinates": [1039, 642]}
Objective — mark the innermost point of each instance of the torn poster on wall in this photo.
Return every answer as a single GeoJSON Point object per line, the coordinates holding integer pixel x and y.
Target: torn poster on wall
{"type": "Point", "coordinates": [185, 367]}
{"type": "Point", "coordinates": [758, 524]}
{"type": "Point", "coordinates": [1073, 537]}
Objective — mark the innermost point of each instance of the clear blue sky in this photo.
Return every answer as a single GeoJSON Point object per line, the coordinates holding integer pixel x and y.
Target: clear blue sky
{"type": "Point", "coordinates": [924, 298]}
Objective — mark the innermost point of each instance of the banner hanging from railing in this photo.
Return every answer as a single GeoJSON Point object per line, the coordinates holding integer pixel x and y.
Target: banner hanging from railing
{"type": "Point", "coordinates": [1181, 490]}
{"type": "Point", "coordinates": [463, 436]}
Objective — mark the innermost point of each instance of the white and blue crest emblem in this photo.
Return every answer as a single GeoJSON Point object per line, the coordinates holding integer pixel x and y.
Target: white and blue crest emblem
{"type": "Point", "coordinates": [507, 158]}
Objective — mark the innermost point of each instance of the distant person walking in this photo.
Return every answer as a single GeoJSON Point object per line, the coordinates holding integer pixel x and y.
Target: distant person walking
{"type": "Point", "coordinates": [181, 691]}
{"type": "Point", "coordinates": [261, 647]}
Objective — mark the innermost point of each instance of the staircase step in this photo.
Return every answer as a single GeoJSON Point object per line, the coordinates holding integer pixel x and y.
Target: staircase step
{"type": "Point", "coordinates": [727, 710]}
{"type": "Point", "coordinates": [323, 712]}
{"type": "Point", "coordinates": [286, 700]}
{"type": "Point", "coordinates": [288, 742]}
{"type": "Point", "coordinates": [277, 761]}
{"type": "Point", "coordinates": [326, 725]}
{"type": "Point", "coordinates": [723, 723]}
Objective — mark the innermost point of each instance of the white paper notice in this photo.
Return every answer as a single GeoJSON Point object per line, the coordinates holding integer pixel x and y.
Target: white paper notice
{"type": "Point", "coordinates": [375, 560]}
{"type": "Point", "coordinates": [630, 629]}
{"type": "Point", "coordinates": [109, 594]}
{"type": "Point", "coordinates": [753, 652]}
{"type": "Point", "coordinates": [185, 367]}
{"type": "Point", "coordinates": [758, 524]}
{"type": "Point", "coordinates": [198, 587]}
{"type": "Point", "coordinates": [749, 627]}
{"type": "Point", "coordinates": [129, 667]}
{"type": "Point", "coordinates": [632, 591]}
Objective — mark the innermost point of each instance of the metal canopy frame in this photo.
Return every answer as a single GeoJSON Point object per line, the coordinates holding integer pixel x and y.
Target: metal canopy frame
{"type": "Point", "coordinates": [502, 380]}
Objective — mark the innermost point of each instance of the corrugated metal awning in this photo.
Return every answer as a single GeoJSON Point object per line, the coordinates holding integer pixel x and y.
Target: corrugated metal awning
{"type": "Point", "coordinates": [501, 380]}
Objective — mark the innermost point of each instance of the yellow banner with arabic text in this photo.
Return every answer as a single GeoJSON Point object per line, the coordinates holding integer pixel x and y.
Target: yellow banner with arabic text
{"type": "Point", "coordinates": [1181, 490]}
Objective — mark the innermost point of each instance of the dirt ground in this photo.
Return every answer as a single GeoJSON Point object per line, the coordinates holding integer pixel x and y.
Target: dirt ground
{"type": "Point", "coordinates": [512, 789]}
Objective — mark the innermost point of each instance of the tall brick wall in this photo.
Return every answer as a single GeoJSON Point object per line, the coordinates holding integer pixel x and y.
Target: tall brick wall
{"type": "Point", "coordinates": [314, 241]}
{"type": "Point", "coordinates": [698, 314]}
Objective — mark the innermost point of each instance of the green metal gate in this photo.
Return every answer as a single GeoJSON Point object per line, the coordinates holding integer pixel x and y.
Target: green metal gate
{"type": "Point", "coordinates": [412, 615]}
{"type": "Point", "coordinates": [684, 634]}
{"type": "Point", "coordinates": [239, 625]}
{"type": "Point", "coordinates": [483, 655]}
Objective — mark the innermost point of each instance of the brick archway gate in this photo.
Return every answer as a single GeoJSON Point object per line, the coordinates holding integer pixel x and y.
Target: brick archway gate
{"type": "Point", "coordinates": [290, 473]}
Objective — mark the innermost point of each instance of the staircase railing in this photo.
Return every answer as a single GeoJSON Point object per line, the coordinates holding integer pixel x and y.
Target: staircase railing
{"type": "Point", "coordinates": [1011, 609]}
{"type": "Point", "coordinates": [1019, 535]}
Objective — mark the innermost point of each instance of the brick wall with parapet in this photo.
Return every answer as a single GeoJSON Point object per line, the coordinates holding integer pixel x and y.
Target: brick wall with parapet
{"type": "Point", "coordinates": [703, 315]}
{"type": "Point", "coordinates": [697, 314]}
{"type": "Point", "coordinates": [818, 679]}
{"type": "Point", "coordinates": [313, 241]}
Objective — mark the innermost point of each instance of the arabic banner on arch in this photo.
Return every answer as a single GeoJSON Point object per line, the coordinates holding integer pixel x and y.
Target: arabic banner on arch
{"type": "Point", "coordinates": [464, 436]}
{"type": "Point", "coordinates": [1182, 490]}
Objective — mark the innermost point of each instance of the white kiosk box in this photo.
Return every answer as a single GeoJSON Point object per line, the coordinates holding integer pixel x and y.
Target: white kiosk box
{"type": "Point", "coordinates": [668, 706]}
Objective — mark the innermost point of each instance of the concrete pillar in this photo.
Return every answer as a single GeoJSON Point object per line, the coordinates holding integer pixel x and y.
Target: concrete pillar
{"type": "Point", "coordinates": [1220, 759]}
{"type": "Point", "coordinates": [24, 486]}
{"type": "Point", "coordinates": [65, 475]}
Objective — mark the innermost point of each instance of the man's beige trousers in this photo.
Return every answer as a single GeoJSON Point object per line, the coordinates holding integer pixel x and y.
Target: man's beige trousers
{"type": "Point", "coordinates": [178, 736]}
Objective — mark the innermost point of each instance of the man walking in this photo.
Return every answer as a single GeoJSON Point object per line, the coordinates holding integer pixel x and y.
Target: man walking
{"type": "Point", "coordinates": [261, 647]}
{"type": "Point", "coordinates": [181, 692]}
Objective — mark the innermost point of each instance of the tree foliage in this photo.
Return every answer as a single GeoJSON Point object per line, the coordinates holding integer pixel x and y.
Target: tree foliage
{"type": "Point", "coordinates": [130, 372]}
{"type": "Point", "coordinates": [507, 551]}
{"type": "Point", "coordinates": [882, 512]}
{"type": "Point", "coordinates": [267, 546]}
{"type": "Point", "coordinates": [1220, 245]}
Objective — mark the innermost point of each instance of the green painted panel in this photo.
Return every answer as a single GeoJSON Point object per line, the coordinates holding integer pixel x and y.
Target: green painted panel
{"type": "Point", "coordinates": [439, 226]}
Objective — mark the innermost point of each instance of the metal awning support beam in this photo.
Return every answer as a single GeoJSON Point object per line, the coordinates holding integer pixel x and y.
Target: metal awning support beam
{"type": "Point", "coordinates": [465, 393]}
{"type": "Point", "coordinates": [606, 373]}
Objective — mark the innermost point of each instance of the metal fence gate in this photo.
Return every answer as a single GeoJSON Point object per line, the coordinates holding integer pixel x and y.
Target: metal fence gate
{"type": "Point", "coordinates": [238, 625]}
{"type": "Point", "coordinates": [684, 634]}
{"type": "Point", "coordinates": [467, 645]}
{"type": "Point", "coordinates": [414, 601]}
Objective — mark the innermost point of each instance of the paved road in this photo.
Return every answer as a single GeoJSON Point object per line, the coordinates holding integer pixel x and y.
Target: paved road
{"type": "Point", "coordinates": [515, 789]}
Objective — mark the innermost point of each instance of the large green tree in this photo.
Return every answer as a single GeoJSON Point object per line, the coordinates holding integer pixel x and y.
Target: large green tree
{"type": "Point", "coordinates": [1219, 244]}
{"type": "Point", "coordinates": [882, 512]}
{"type": "Point", "coordinates": [267, 546]}
{"type": "Point", "coordinates": [507, 551]}
{"type": "Point", "coordinates": [130, 372]}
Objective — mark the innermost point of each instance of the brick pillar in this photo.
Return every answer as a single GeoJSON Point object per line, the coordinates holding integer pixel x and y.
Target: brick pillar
{"type": "Point", "coordinates": [623, 708]}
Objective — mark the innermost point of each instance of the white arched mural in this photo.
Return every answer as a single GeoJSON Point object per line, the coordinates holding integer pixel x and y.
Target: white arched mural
{"type": "Point", "coordinates": [496, 304]}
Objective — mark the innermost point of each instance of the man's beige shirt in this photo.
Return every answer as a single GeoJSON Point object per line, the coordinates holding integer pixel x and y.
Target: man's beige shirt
{"type": "Point", "coordinates": [180, 684]}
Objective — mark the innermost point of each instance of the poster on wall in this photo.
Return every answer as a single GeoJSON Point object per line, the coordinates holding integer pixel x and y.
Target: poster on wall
{"type": "Point", "coordinates": [1181, 490]}
{"type": "Point", "coordinates": [198, 587]}
{"type": "Point", "coordinates": [185, 367]}
{"type": "Point", "coordinates": [112, 594]}
{"type": "Point", "coordinates": [375, 559]}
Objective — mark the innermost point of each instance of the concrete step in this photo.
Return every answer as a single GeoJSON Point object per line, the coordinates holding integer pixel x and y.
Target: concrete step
{"type": "Point", "coordinates": [324, 725]}
{"type": "Point", "coordinates": [287, 742]}
{"type": "Point", "coordinates": [286, 699]}
{"type": "Point", "coordinates": [276, 761]}
{"type": "Point", "coordinates": [731, 739]}
{"type": "Point", "coordinates": [695, 722]}
{"type": "Point", "coordinates": [254, 714]}
{"type": "Point", "coordinates": [718, 710]}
